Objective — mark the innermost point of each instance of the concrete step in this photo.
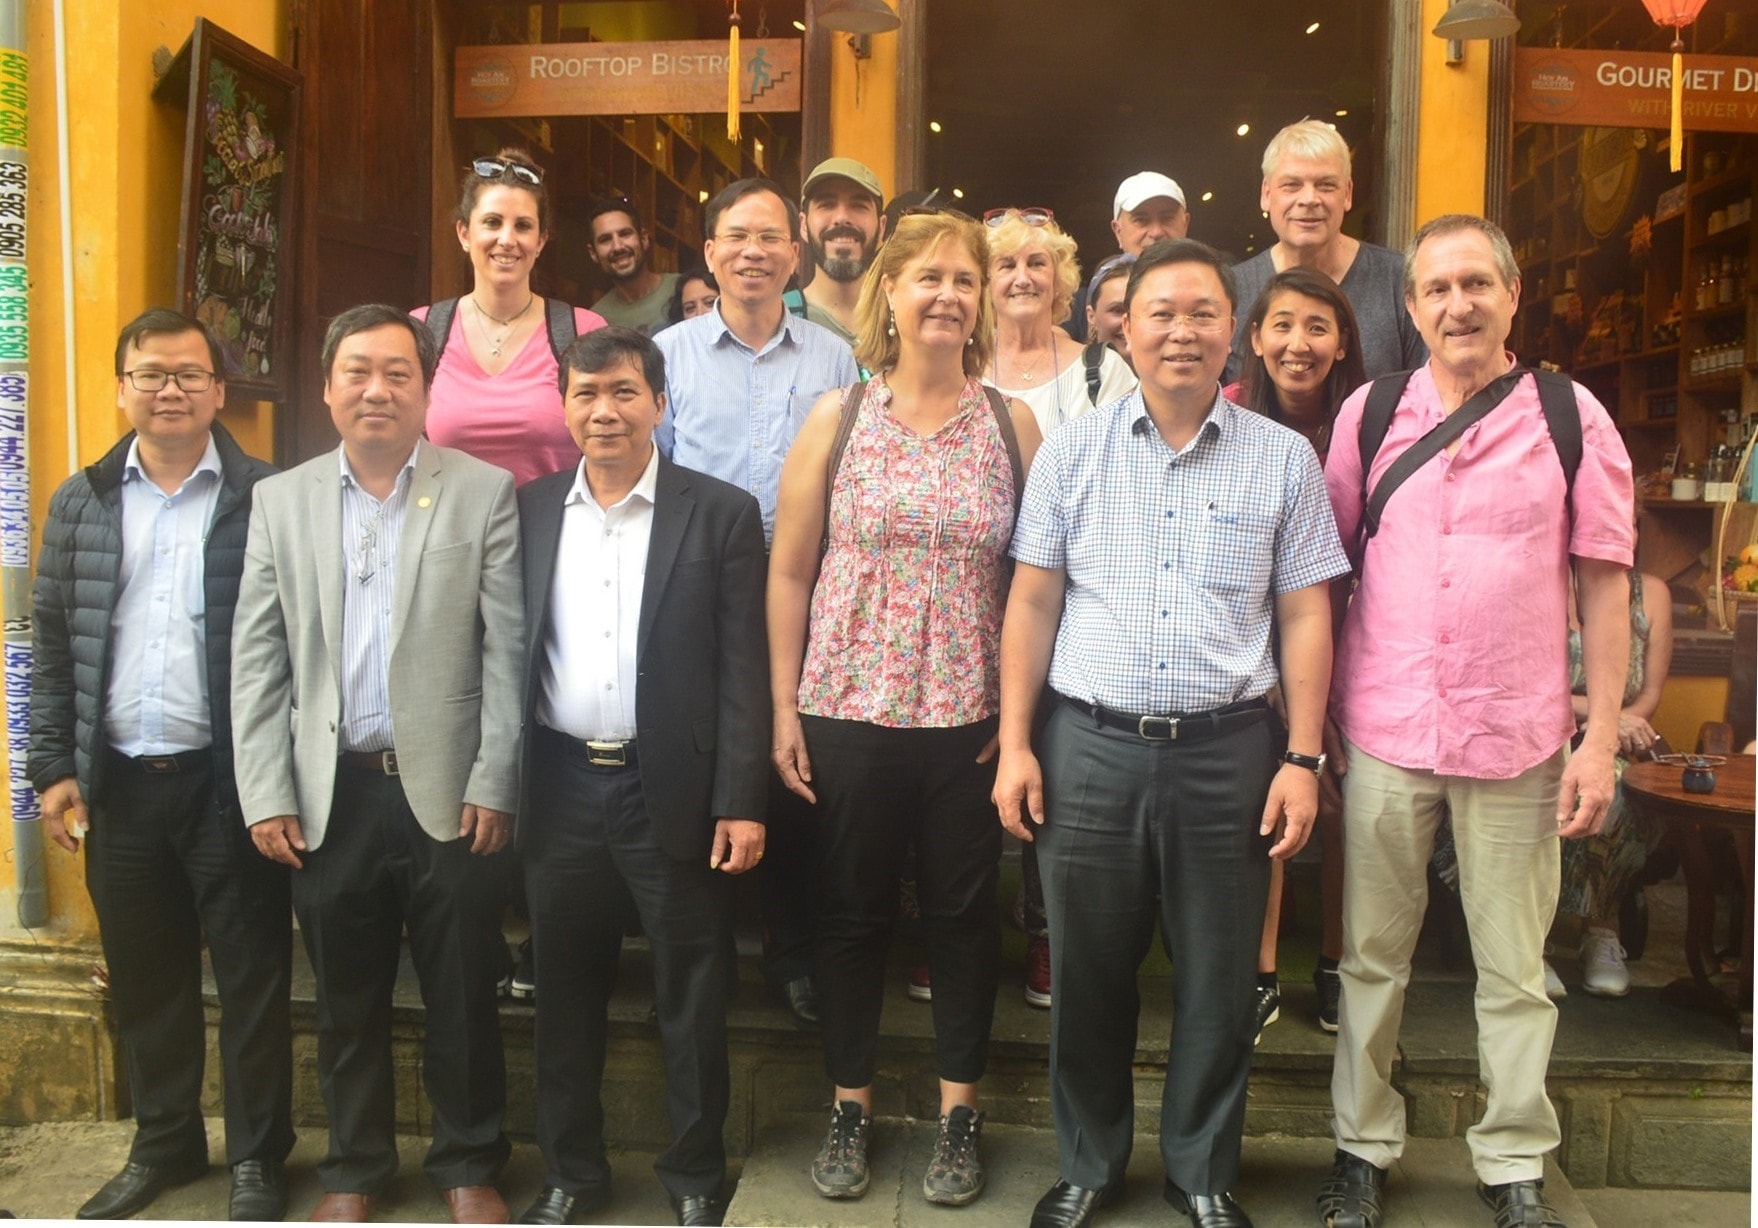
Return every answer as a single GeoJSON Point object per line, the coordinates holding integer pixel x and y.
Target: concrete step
{"type": "Point", "coordinates": [1431, 1187]}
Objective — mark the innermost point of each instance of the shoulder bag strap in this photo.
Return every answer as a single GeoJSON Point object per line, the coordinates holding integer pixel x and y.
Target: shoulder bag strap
{"type": "Point", "coordinates": [1556, 396]}
{"type": "Point", "coordinates": [1094, 356]}
{"type": "Point", "coordinates": [439, 323]}
{"type": "Point", "coordinates": [560, 318]}
{"type": "Point", "coordinates": [1009, 437]}
{"type": "Point", "coordinates": [845, 427]}
{"type": "Point", "coordinates": [1429, 446]}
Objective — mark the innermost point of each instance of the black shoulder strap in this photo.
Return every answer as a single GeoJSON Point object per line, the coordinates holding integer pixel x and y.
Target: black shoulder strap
{"type": "Point", "coordinates": [1376, 417]}
{"type": "Point", "coordinates": [1093, 355]}
{"type": "Point", "coordinates": [1009, 437]}
{"type": "Point", "coordinates": [1429, 446]}
{"type": "Point", "coordinates": [845, 427]}
{"type": "Point", "coordinates": [1556, 396]}
{"type": "Point", "coordinates": [439, 323]}
{"type": "Point", "coordinates": [560, 318]}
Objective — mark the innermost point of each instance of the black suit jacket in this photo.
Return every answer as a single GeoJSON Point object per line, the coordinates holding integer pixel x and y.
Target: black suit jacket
{"type": "Point", "coordinates": [702, 657]}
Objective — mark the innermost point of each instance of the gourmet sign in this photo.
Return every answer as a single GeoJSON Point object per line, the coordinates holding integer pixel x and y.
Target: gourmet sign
{"type": "Point", "coordinates": [1633, 89]}
{"type": "Point", "coordinates": [656, 78]}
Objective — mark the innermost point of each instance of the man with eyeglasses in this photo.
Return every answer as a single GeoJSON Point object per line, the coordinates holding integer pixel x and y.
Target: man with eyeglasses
{"type": "Point", "coordinates": [130, 750]}
{"type": "Point", "coordinates": [742, 378]}
{"type": "Point", "coordinates": [638, 296]}
{"type": "Point", "coordinates": [841, 223]}
{"type": "Point", "coordinates": [1162, 542]}
{"type": "Point", "coordinates": [379, 643]}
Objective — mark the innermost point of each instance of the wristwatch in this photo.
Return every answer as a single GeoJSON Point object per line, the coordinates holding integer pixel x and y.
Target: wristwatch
{"type": "Point", "coordinates": [1312, 763]}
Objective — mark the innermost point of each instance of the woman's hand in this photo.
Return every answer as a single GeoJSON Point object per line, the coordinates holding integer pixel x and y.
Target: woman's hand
{"type": "Point", "coordinates": [1635, 735]}
{"type": "Point", "coordinates": [788, 753]}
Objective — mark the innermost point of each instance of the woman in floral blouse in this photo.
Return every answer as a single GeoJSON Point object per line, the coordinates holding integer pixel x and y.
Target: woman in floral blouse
{"type": "Point", "coordinates": [886, 587]}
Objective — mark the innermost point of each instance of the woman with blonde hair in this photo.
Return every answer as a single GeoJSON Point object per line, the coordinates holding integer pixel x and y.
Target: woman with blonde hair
{"type": "Point", "coordinates": [887, 581]}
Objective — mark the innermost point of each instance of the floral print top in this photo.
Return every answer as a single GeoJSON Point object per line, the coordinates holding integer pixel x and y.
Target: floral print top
{"type": "Point", "coordinates": [905, 626]}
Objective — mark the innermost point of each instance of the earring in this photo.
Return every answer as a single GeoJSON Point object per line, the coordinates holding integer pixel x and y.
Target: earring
{"type": "Point", "coordinates": [970, 340]}
{"type": "Point", "coordinates": [890, 322]}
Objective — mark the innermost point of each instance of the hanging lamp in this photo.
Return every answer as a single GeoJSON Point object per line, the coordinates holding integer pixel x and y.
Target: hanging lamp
{"type": "Point", "coordinates": [1465, 20]}
{"type": "Point", "coordinates": [858, 16]}
{"type": "Point", "coordinates": [1678, 14]}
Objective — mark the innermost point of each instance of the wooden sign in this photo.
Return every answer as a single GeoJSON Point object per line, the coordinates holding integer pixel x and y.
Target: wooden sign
{"type": "Point", "coordinates": [1632, 89]}
{"type": "Point", "coordinates": [623, 78]}
{"type": "Point", "coordinates": [241, 145]}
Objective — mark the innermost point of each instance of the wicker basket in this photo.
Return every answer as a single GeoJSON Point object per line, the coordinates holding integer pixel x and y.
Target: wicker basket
{"type": "Point", "coordinates": [1736, 526]}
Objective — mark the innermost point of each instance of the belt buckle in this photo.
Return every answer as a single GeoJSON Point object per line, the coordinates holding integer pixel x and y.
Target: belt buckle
{"type": "Point", "coordinates": [159, 765]}
{"type": "Point", "coordinates": [388, 762]}
{"type": "Point", "coordinates": [607, 754]}
{"type": "Point", "coordinates": [1171, 723]}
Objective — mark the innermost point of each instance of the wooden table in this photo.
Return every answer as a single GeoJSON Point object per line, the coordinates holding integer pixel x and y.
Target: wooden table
{"type": "Point", "coordinates": [1658, 790]}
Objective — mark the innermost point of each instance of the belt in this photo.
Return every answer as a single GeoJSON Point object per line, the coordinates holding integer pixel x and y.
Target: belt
{"type": "Point", "coordinates": [166, 765]}
{"type": "Point", "coordinates": [1179, 726]}
{"type": "Point", "coordinates": [595, 752]}
{"type": "Point", "coordinates": [383, 762]}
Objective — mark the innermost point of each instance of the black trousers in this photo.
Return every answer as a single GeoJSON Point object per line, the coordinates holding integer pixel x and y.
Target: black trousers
{"type": "Point", "coordinates": [1137, 832]}
{"type": "Point", "coordinates": [589, 854]}
{"type": "Point", "coordinates": [163, 866]}
{"type": "Point", "coordinates": [788, 883]}
{"type": "Point", "coordinates": [376, 873]}
{"type": "Point", "coordinates": [880, 791]}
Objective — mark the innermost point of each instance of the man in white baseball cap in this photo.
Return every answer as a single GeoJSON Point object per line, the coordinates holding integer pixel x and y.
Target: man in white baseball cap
{"type": "Point", "coordinates": [1148, 207]}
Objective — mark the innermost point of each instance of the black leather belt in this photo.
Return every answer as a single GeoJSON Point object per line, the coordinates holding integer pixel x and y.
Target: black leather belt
{"type": "Point", "coordinates": [165, 765]}
{"type": "Point", "coordinates": [382, 762]}
{"type": "Point", "coordinates": [1177, 726]}
{"type": "Point", "coordinates": [595, 752]}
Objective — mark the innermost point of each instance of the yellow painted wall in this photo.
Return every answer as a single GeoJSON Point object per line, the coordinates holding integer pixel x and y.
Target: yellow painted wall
{"type": "Point", "coordinates": [1685, 704]}
{"type": "Point", "coordinates": [1452, 134]}
{"type": "Point", "coordinates": [126, 170]}
{"type": "Point", "coordinates": [863, 106]}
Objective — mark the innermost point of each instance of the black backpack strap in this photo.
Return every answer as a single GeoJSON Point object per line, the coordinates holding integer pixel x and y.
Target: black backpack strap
{"type": "Point", "coordinates": [1376, 417]}
{"type": "Point", "coordinates": [439, 323]}
{"type": "Point", "coordinates": [1094, 356]}
{"type": "Point", "coordinates": [1556, 396]}
{"type": "Point", "coordinates": [1009, 437]}
{"type": "Point", "coordinates": [560, 318]}
{"type": "Point", "coordinates": [1429, 446]}
{"type": "Point", "coordinates": [845, 427]}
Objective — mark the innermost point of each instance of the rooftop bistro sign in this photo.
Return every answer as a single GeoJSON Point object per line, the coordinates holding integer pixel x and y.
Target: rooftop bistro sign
{"type": "Point", "coordinates": [1633, 89]}
{"type": "Point", "coordinates": [623, 78]}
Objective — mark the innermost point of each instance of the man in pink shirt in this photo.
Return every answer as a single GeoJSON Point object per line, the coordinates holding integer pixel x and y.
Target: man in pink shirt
{"type": "Point", "coordinates": [1452, 696]}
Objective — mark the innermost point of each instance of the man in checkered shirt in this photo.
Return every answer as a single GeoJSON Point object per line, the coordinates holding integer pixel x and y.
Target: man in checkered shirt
{"type": "Point", "coordinates": [1161, 541]}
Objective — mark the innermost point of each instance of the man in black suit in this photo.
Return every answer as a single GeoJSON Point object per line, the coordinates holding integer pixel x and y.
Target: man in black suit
{"type": "Point", "coordinates": [646, 769]}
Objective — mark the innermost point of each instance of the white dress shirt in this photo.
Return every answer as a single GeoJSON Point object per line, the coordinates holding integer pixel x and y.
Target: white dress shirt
{"type": "Point", "coordinates": [595, 611]}
{"type": "Point", "coordinates": [157, 701]}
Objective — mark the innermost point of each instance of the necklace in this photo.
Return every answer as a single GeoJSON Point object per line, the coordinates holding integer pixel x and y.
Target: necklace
{"type": "Point", "coordinates": [1055, 382]}
{"type": "Point", "coordinates": [495, 343]}
{"type": "Point", "coordinates": [1028, 376]}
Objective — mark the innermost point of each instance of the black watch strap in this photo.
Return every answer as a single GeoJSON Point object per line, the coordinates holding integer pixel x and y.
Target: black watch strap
{"type": "Point", "coordinates": [1312, 763]}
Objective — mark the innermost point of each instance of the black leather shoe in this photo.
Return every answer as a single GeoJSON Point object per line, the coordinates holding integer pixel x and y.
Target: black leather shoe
{"type": "Point", "coordinates": [1208, 1210]}
{"type": "Point", "coordinates": [134, 1188]}
{"type": "Point", "coordinates": [1067, 1206]}
{"type": "Point", "coordinates": [555, 1207]}
{"type": "Point", "coordinates": [699, 1209]}
{"type": "Point", "coordinates": [1519, 1204]}
{"type": "Point", "coordinates": [259, 1192]}
{"type": "Point", "coordinates": [802, 999]}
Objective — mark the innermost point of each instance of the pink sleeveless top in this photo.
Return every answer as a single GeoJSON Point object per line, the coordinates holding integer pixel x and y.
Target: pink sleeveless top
{"type": "Point", "coordinates": [905, 624]}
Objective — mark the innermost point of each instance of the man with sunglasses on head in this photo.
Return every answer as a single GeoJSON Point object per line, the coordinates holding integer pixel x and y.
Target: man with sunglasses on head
{"type": "Point", "coordinates": [842, 224]}
{"type": "Point", "coordinates": [639, 296]}
{"type": "Point", "coordinates": [742, 378]}
{"type": "Point", "coordinates": [131, 752]}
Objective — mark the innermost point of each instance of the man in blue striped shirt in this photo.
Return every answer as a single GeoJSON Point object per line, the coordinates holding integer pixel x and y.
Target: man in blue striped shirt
{"type": "Point", "coordinates": [1162, 543]}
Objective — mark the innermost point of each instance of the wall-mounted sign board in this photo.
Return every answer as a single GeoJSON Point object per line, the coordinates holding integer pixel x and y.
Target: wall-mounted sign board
{"type": "Point", "coordinates": [1633, 89]}
{"type": "Point", "coordinates": [656, 78]}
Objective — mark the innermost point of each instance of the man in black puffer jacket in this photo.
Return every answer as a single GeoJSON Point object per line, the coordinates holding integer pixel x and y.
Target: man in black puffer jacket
{"type": "Point", "coordinates": [131, 750]}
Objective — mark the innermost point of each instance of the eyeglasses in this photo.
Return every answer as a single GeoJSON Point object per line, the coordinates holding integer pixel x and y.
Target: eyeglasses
{"type": "Point", "coordinates": [497, 168]}
{"type": "Point", "coordinates": [768, 240]}
{"type": "Point", "coordinates": [148, 379]}
{"type": "Point", "coordinates": [1203, 321]}
{"type": "Point", "coordinates": [1031, 215]}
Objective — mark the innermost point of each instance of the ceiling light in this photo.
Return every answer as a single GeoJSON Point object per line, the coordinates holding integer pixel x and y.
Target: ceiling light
{"type": "Point", "coordinates": [1313, 28]}
{"type": "Point", "coordinates": [934, 125]}
{"type": "Point", "coordinates": [800, 26]}
{"type": "Point", "coordinates": [958, 193]}
{"type": "Point", "coordinates": [1342, 111]}
{"type": "Point", "coordinates": [1475, 19]}
{"type": "Point", "coordinates": [857, 16]}
{"type": "Point", "coordinates": [1208, 196]}
{"type": "Point", "coordinates": [1243, 129]}
{"type": "Point", "coordinates": [702, 197]}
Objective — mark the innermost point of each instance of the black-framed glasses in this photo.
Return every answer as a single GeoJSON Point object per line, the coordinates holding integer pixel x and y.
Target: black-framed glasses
{"type": "Point", "coordinates": [149, 379]}
{"type": "Point", "coordinates": [1031, 215]}
{"type": "Point", "coordinates": [498, 168]}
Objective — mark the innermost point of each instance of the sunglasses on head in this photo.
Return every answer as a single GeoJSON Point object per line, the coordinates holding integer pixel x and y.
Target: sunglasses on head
{"type": "Point", "coordinates": [1032, 215]}
{"type": "Point", "coordinates": [498, 168]}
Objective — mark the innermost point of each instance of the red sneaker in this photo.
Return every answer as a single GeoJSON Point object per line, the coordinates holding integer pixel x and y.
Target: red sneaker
{"type": "Point", "coordinates": [921, 988]}
{"type": "Point", "coordinates": [1037, 972]}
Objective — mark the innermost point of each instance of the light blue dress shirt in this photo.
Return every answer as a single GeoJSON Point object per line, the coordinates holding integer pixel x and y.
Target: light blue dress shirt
{"type": "Point", "coordinates": [734, 411]}
{"type": "Point", "coordinates": [371, 534]}
{"type": "Point", "coordinates": [157, 703]}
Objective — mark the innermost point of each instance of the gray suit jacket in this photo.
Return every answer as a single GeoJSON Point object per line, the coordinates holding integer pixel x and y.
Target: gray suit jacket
{"type": "Point", "coordinates": [457, 634]}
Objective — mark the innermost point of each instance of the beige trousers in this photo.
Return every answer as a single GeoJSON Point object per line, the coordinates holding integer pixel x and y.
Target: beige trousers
{"type": "Point", "coordinates": [1508, 876]}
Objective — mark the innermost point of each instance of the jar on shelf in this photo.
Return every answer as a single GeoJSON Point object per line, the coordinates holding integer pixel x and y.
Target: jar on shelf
{"type": "Point", "coordinates": [1689, 484]}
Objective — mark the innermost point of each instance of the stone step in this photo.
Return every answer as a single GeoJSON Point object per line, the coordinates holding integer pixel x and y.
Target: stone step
{"type": "Point", "coordinates": [1431, 1187]}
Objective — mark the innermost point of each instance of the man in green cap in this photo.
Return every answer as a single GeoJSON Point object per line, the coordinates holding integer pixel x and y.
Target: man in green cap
{"type": "Point", "coordinates": [841, 222]}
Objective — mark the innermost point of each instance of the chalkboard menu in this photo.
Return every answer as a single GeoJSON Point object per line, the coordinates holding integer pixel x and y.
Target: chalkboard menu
{"type": "Point", "coordinates": [240, 154]}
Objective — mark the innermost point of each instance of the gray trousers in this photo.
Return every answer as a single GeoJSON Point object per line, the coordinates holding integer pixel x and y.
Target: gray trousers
{"type": "Point", "coordinates": [1137, 832]}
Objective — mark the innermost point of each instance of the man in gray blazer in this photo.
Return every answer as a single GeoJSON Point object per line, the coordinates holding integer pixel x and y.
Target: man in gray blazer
{"type": "Point", "coordinates": [376, 705]}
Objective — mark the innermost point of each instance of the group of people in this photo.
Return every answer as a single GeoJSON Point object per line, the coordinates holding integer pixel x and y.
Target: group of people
{"type": "Point", "coordinates": [852, 579]}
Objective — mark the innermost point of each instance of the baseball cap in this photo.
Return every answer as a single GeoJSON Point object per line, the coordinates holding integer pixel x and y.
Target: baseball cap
{"type": "Point", "coordinates": [844, 168]}
{"type": "Point", "coordinates": [1144, 186]}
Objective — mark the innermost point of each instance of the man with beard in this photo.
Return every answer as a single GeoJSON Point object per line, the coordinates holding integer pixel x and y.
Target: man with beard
{"type": "Point", "coordinates": [638, 296]}
{"type": "Point", "coordinates": [841, 222]}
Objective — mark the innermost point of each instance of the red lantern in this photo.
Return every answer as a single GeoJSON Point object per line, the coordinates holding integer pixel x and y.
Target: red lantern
{"type": "Point", "coordinates": [1678, 14]}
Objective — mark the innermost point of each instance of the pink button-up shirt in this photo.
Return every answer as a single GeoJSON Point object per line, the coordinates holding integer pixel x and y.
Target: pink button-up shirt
{"type": "Point", "coordinates": [1454, 655]}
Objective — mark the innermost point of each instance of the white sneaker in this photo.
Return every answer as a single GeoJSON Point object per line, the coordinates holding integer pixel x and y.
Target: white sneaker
{"type": "Point", "coordinates": [1553, 984]}
{"type": "Point", "coordinates": [1602, 964]}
